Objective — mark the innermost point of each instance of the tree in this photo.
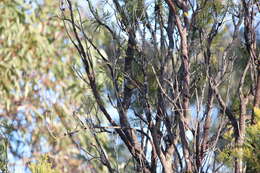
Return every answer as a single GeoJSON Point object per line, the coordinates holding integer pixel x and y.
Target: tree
{"type": "Point", "coordinates": [170, 67]}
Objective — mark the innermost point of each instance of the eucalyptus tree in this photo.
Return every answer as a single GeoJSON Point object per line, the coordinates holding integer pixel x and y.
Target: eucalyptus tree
{"type": "Point", "coordinates": [180, 102]}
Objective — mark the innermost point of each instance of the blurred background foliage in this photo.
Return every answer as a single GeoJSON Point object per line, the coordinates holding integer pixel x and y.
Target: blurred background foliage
{"type": "Point", "coordinates": [41, 96]}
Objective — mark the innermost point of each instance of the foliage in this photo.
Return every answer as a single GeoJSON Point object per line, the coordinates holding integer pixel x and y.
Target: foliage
{"type": "Point", "coordinates": [252, 145]}
{"type": "Point", "coordinates": [3, 155]}
{"type": "Point", "coordinates": [43, 166]}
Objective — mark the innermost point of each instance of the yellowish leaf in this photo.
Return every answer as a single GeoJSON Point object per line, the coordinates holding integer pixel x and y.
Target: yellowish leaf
{"type": "Point", "coordinates": [257, 113]}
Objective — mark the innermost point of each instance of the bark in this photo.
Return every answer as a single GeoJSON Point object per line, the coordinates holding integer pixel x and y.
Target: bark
{"type": "Point", "coordinates": [250, 39]}
{"type": "Point", "coordinates": [206, 127]}
{"type": "Point", "coordinates": [186, 77]}
{"type": "Point", "coordinates": [239, 140]}
{"type": "Point", "coordinates": [257, 92]}
{"type": "Point", "coordinates": [210, 98]}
